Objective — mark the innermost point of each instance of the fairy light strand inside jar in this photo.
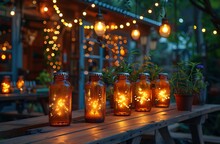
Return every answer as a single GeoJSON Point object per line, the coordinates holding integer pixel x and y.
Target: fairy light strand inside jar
{"type": "Point", "coordinates": [122, 95]}
{"type": "Point", "coordinates": [95, 98]}
{"type": "Point", "coordinates": [162, 91]}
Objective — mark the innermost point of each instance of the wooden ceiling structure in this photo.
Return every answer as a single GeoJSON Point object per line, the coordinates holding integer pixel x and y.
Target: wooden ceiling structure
{"type": "Point", "coordinates": [72, 9]}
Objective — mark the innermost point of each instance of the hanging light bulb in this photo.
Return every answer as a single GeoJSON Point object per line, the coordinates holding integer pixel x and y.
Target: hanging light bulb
{"type": "Point", "coordinates": [99, 26]}
{"type": "Point", "coordinates": [135, 33]}
{"type": "Point", "coordinates": [12, 12]}
{"type": "Point", "coordinates": [165, 28]}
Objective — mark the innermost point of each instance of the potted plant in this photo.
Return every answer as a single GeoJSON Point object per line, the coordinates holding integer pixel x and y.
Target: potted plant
{"type": "Point", "coordinates": [186, 82]}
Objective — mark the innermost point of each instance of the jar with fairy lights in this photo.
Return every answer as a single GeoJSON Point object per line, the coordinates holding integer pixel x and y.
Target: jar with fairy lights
{"type": "Point", "coordinates": [122, 95]}
{"type": "Point", "coordinates": [95, 98]}
{"type": "Point", "coordinates": [143, 93]}
{"type": "Point", "coordinates": [60, 100]}
{"type": "Point", "coordinates": [162, 91]}
{"type": "Point", "coordinates": [6, 85]}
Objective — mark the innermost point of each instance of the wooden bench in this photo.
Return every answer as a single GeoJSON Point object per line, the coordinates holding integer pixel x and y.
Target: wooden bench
{"type": "Point", "coordinates": [115, 129]}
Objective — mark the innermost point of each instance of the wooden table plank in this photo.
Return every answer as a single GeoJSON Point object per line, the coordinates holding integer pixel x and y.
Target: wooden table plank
{"type": "Point", "coordinates": [80, 125]}
{"type": "Point", "coordinates": [115, 129]}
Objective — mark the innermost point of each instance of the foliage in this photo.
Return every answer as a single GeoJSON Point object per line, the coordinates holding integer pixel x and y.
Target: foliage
{"type": "Point", "coordinates": [44, 78]}
{"type": "Point", "coordinates": [109, 75]}
{"type": "Point", "coordinates": [187, 79]}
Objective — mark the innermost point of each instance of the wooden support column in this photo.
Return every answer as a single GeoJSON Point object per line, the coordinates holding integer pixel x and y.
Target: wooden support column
{"type": "Point", "coordinates": [17, 51]}
{"type": "Point", "coordinates": [166, 135]}
{"type": "Point", "coordinates": [81, 67]}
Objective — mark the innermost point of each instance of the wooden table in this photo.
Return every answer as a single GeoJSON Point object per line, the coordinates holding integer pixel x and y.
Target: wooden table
{"type": "Point", "coordinates": [115, 129]}
{"type": "Point", "coordinates": [20, 98]}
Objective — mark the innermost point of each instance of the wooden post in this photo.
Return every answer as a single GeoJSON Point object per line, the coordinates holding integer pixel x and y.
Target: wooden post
{"type": "Point", "coordinates": [17, 50]}
{"type": "Point", "coordinates": [195, 126]}
{"type": "Point", "coordinates": [81, 67]}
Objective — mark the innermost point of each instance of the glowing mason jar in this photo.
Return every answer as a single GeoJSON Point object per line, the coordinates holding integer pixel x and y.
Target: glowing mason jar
{"type": "Point", "coordinates": [162, 91]}
{"type": "Point", "coordinates": [20, 83]}
{"type": "Point", "coordinates": [6, 85]}
{"type": "Point", "coordinates": [122, 95]}
{"type": "Point", "coordinates": [60, 100]}
{"type": "Point", "coordinates": [143, 93]}
{"type": "Point", "coordinates": [95, 98]}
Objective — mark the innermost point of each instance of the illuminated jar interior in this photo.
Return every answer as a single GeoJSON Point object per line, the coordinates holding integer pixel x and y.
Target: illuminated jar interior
{"type": "Point", "coordinates": [60, 100]}
{"type": "Point", "coordinates": [122, 95]}
{"type": "Point", "coordinates": [95, 98]}
{"type": "Point", "coordinates": [162, 91]}
{"type": "Point", "coordinates": [143, 94]}
{"type": "Point", "coordinates": [5, 85]}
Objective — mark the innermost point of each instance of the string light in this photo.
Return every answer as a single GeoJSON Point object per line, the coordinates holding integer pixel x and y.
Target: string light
{"type": "Point", "coordinates": [215, 32]}
{"type": "Point", "coordinates": [203, 30]}
{"type": "Point", "coordinates": [149, 11]}
{"type": "Point", "coordinates": [65, 23]}
{"type": "Point", "coordinates": [12, 12]}
{"type": "Point", "coordinates": [93, 5]}
{"type": "Point", "coordinates": [165, 28]}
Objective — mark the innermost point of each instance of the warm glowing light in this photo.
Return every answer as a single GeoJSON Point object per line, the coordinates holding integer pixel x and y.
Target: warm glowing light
{"type": "Point", "coordinates": [34, 2]}
{"type": "Point", "coordinates": [75, 21]}
{"type": "Point", "coordinates": [134, 21]}
{"type": "Point", "coordinates": [163, 95]}
{"type": "Point", "coordinates": [128, 24]}
{"type": "Point", "coordinates": [5, 87]}
{"type": "Point", "coordinates": [194, 27]}
{"type": "Point", "coordinates": [156, 4]}
{"type": "Point", "coordinates": [122, 52]}
{"type": "Point", "coordinates": [165, 28]}
{"type": "Point", "coordinates": [70, 25]}
{"type": "Point", "coordinates": [121, 26]}
{"type": "Point", "coordinates": [92, 5]}
{"type": "Point", "coordinates": [100, 28]}
{"type": "Point", "coordinates": [3, 57]}
{"type": "Point", "coordinates": [122, 101]}
{"type": "Point", "coordinates": [20, 83]}
{"type": "Point", "coordinates": [149, 11]}
{"type": "Point", "coordinates": [12, 13]}
{"type": "Point", "coordinates": [60, 15]}
{"type": "Point", "coordinates": [45, 9]}
{"type": "Point", "coordinates": [215, 32]}
{"type": "Point", "coordinates": [203, 30]}
{"type": "Point", "coordinates": [4, 48]}
{"type": "Point", "coordinates": [135, 34]}
{"type": "Point", "coordinates": [84, 13]}
{"type": "Point", "coordinates": [141, 17]}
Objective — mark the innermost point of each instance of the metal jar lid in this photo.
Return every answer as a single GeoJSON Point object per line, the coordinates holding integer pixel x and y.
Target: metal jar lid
{"type": "Point", "coordinates": [163, 74]}
{"type": "Point", "coordinates": [61, 73]}
{"type": "Point", "coordinates": [95, 74]}
{"type": "Point", "coordinates": [123, 74]}
{"type": "Point", "coordinates": [144, 74]}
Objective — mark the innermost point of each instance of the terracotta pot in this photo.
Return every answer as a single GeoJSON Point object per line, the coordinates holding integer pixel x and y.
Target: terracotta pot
{"type": "Point", "coordinates": [184, 102]}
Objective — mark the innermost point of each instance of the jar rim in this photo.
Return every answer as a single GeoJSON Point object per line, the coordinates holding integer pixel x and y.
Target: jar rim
{"type": "Point", "coordinates": [145, 74]}
{"type": "Point", "coordinates": [124, 73]}
{"type": "Point", "coordinates": [95, 74]}
{"type": "Point", "coordinates": [163, 74]}
{"type": "Point", "coordinates": [61, 73]}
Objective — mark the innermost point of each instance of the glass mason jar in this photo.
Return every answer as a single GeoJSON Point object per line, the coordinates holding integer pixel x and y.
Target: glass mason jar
{"type": "Point", "coordinates": [122, 95]}
{"type": "Point", "coordinates": [60, 100]}
{"type": "Point", "coordinates": [6, 85]}
{"type": "Point", "coordinates": [162, 91]}
{"type": "Point", "coordinates": [20, 83]}
{"type": "Point", "coordinates": [143, 93]}
{"type": "Point", "coordinates": [95, 98]}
